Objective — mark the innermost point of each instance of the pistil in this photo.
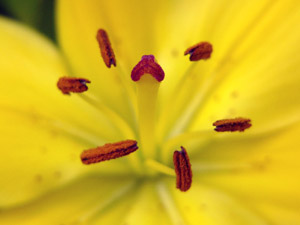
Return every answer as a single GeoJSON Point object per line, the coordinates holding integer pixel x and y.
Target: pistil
{"type": "Point", "coordinates": [147, 74]}
{"type": "Point", "coordinates": [147, 65]}
{"type": "Point", "coordinates": [159, 167]}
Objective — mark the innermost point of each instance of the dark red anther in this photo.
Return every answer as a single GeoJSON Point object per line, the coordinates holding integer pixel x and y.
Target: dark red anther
{"type": "Point", "coordinates": [237, 124]}
{"type": "Point", "coordinates": [108, 151]}
{"type": "Point", "coordinates": [183, 169]}
{"type": "Point", "coordinates": [72, 84]}
{"type": "Point", "coordinates": [199, 51]}
{"type": "Point", "coordinates": [106, 49]}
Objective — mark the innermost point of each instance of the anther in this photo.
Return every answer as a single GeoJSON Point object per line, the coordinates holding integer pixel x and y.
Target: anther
{"type": "Point", "coordinates": [106, 49]}
{"type": "Point", "coordinates": [147, 65]}
{"type": "Point", "coordinates": [199, 51]}
{"type": "Point", "coordinates": [108, 151]}
{"type": "Point", "coordinates": [71, 84]}
{"type": "Point", "coordinates": [237, 124]}
{"type": "Point", "coordinates": [182, 169]}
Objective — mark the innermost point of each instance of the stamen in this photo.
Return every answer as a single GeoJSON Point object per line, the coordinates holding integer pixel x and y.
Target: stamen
{"type": "Point", "coordinates": [199, 51]}
{"type": "Point", "coordinates": [159, 167]}
{"type": "Point", "coordinates": [237, 124]}
{"type": "Point", "coordinates": [106, 49]}
{"type": "Point", "coordinates": [183, 170]}
{"type": "Point", "coordinates": [108, 151]}
{"type": "Point", "coordinates": [71, 84]}
{"type": "Point", "coordinates": [149, 66]}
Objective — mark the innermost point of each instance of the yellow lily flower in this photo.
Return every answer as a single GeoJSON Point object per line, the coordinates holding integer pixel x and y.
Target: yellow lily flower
{"type": "Point", "coordinates": [249, 177]}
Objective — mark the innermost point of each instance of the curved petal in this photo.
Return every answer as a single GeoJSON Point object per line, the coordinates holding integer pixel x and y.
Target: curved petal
{"type": "Point", "coordinates": [30, 69]}
{"type": "Point", "coordinates": [205, 205]}
{"type": "Point", "coordinates": [253, 71]}
{"type": "Point", "coordinates": [131, 27]}
{"type": "Point", "coordinates": [261, 171]}
{"type": "Point", "coordinates": [130, 32]}
{"type": "Point", "coordinates": [263, 85]}
{"type": "Point", "coordinates": [42, 131]}
{"type": "Point", "coordinates": [80, 202]}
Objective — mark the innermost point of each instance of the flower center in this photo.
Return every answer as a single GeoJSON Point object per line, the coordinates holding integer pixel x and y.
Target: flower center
{"type": "Point", "coordinates": [147, 75]}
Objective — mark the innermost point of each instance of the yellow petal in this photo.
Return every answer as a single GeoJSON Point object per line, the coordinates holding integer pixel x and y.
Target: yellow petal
{"type": "Point", "coordinates": [253, 72]}
{"type": "Point", "coordinates": [205, 205]}
{"type": "Point", "coordinates": [78, 22]}
{"type": "Point", "coordinates": [36, 158]}
{"type": "Point", "coordinates": [147, 207]}
{"type": "Point", "coordinates": [80, 202]}
{"type": "Point", "coordinates": [30, 69]}
{"type": "Point", "coordinates": [42, 131]}
{"type": "Point", "coordinates": [263, 81]}
{"type": "Point", "coordinates": [133, 27]}
{"type": "Point", "coordinates": [188, 23]}
{"type": "Point", "coordinates": [261, 171]}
